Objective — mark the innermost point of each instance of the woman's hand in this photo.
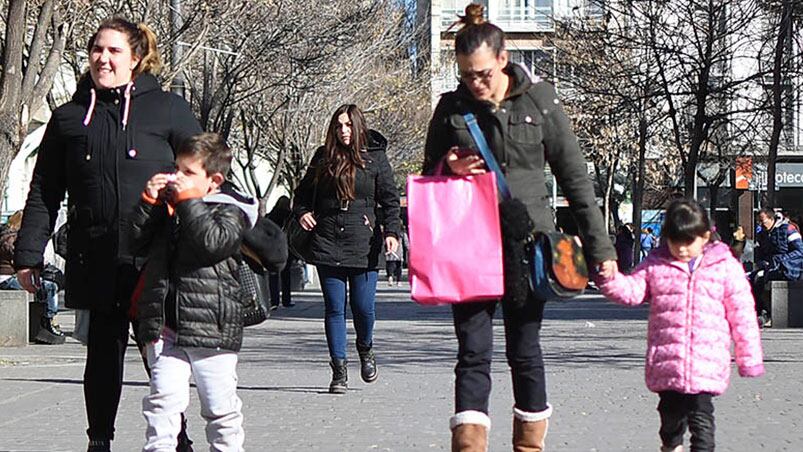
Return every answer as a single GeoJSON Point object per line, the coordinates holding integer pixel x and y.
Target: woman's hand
{"type": "Point", "coordinates": [307, 221]}
{"type": "Point", "coordinates": [464, 166]}
{"type": "Point", "coordinates": [156, 184]}
{"type": "Point", "coordinates": [391, 244]}
{"type": "Point", "coordinates": [608, 269]}
{"type": "Point", "coordinates": [29, 279]}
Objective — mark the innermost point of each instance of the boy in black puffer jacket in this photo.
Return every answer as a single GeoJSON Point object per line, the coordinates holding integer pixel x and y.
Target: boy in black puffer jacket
{"type": "Point", "coordinates": [191, 225]}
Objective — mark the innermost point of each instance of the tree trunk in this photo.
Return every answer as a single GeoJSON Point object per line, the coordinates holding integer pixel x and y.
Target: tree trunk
{"type": "Point", "coordinates": [777, 102]}
{"type": "Point", "coordinates": [638, 189]}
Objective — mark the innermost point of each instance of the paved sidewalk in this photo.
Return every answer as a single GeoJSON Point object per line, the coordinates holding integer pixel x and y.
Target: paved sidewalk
{"type": "Point", "coordinates": [594, 357]}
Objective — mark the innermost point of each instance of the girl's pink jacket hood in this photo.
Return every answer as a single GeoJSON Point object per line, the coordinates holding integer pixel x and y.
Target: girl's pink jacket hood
{"type": "Point", "coordinates": [693, 317]}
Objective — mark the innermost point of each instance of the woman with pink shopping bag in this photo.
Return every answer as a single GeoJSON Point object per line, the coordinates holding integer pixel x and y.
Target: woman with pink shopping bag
{"type": "Point", "coordinates": [525, 127]}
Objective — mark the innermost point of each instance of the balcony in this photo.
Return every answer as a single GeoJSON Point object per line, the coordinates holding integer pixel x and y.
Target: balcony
{"type": "Point", "coordinates": [522, 16]}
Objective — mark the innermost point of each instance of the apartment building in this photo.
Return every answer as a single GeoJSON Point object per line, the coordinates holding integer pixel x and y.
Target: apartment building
{"type": "Point", "coordinates": [525, 22]}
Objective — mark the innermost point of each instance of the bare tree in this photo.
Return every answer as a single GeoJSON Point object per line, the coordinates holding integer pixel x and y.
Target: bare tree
{"type": "Point", "coordinates": [30, 61]}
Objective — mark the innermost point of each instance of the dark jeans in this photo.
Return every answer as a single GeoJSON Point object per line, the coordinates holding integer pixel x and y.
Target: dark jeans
{"type": "Point", "coordinates": [394, 269]}
{"type": "Point", "coordinates": [280, 282]}
{"type": "Point", "coordinates": [105, 353]}
{"type": "Point", "coordinates": [679, 411]}
{"type": "Point", "coordinates": [474, 329]}
{"type": "Point", "coordinates": [342, 285]}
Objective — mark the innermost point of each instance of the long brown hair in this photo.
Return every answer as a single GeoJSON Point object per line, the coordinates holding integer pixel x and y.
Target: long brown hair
{"type": "Point", "coordinates": [141, 39]}
{"type": "Point", "coordinates": [341, 161]}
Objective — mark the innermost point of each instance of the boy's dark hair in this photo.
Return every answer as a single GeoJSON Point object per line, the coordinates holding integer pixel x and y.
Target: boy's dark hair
{"type": "Point", "coordinates": [766, 211]}
{"type": "Point", "coordinates": [476, 31]}
{"type": "Point", "coordinates": [685, 221]}
{"type": "Point", "coordinates": [211, 148]}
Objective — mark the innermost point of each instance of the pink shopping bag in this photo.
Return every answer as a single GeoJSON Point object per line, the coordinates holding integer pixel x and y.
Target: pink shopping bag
{"type": "Point", "coordinates": [455, 239]}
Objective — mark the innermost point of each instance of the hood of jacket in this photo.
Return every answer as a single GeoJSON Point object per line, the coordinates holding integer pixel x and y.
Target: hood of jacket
{"type": "Point", "coordinates": [376, 141]}
{"type": "Point", "coordinates": [229, 194]}
{"type": "Point", "coordinates": [140, 85]}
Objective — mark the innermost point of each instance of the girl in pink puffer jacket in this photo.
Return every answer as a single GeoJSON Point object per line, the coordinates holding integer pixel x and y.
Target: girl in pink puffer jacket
{"type": "Point", "coordinates": [699, 300]}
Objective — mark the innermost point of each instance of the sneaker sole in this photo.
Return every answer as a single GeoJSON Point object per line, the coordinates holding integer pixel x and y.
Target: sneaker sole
{"type": "Point", "coordinates": [338, 389]}
{"type": "Point", "coordinates": [45, 337]}
{"type": "Point", "coordinates": [370, 380]}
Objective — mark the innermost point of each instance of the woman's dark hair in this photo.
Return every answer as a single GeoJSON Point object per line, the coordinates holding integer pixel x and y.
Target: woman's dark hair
{"type": "Point", "coordinates": [476, 31]}
{"type": "Point", "coordinates": [685, 221]}
{"type": "Point", "coordinates": [141, 39]}
{"type": "Point", "coordinates": [341, 161]}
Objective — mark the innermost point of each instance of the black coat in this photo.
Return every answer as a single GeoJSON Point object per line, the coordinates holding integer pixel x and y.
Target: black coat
{"type": "Point", "coordinates": [193, 258]}
{"type": "Point", "coordinates": [528, 130]}
{"type": "Point", "coordinates": [102, 167]}
{"type": "Point", "coordinates": [351, 237]}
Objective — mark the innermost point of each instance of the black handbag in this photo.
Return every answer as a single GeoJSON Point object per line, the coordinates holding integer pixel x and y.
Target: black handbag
{"type": "Point", "coordinates": [254, 291]}
{"type": "Point", "coordinates": [299, 240]}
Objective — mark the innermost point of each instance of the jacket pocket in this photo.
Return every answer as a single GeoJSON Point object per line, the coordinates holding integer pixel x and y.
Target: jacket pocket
{"type": "Point", "coordinates": [525, 128]}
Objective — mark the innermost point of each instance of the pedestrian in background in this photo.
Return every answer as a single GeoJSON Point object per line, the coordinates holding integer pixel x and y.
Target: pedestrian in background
{"type": "Point", "coordinates": [280, 284]}
{"type": "Point", "coordinates": [337, 200]}
{"type": "Point", "coordinates": [699, 302]}
{"type": "Point", "coordinates": [525, 126]}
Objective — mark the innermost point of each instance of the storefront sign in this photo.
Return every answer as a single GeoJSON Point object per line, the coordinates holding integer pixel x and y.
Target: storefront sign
{"type": "Point", "coordinates": [787, 175]}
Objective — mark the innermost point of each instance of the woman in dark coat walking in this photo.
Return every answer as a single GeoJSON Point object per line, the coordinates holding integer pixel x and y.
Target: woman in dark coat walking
{"type": "Point", "coordinates": [525, 126]}
{"type": "Point", "coordinates": [348, 178]}
{"type": "Point", "coordinates": [100, 148]}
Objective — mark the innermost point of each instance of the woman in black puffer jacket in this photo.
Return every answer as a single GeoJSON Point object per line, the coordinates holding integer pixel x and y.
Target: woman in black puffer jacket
{"type": "Point", "coordinates": [337, 200]}
{"type": "Point", "coordinates": [100, 148]}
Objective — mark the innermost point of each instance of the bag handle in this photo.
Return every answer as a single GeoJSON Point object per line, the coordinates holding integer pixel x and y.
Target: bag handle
{"type": "Point", "coordinates": [485, 151]}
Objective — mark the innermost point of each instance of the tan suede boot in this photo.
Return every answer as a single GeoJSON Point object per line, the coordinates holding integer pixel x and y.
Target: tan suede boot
{"type": "Point", "coordinates": [529, 436]}
{"type": "Point", "coordinates": [470, 431]}
{"type": "Point", "coordinates": [470, 438]}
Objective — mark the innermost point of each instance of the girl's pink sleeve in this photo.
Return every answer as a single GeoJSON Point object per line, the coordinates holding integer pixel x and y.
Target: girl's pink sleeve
{"type": "Point", "coordinates": [629, 289]}
{"type": "Point", "coordinates": [741, 314]}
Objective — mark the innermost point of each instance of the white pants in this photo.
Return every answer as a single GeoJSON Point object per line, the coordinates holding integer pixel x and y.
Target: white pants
{"type": "Point", "coordinates": [215, 373]}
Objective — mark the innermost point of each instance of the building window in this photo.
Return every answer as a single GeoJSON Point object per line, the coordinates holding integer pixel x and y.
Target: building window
{"type": "Point", "coordinates": [540, 62]}
{"type": "Point", "coordinates": [536, 12]}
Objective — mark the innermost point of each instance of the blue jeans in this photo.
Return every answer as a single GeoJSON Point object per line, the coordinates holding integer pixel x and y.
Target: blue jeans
{"type": "Point", "coordinates": [340, 285]}
{"type": "Point", "coordinates": [47, 294]}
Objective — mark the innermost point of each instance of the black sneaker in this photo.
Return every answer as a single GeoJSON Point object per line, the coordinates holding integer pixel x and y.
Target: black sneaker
{"type": "Point", "coordinates": [340, 377]}
{"type": "Point", "coordinates": [184, 441]}
{"type": "Point", "coordinates": [49, 333]}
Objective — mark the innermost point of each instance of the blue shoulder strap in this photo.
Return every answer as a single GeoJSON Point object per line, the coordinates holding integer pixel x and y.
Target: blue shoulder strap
{"type": "Point", "coordinates": [485, 151]}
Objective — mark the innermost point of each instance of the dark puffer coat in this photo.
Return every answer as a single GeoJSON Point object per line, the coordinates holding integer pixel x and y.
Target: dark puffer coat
{"type": "Point", "coordinates": [193, 258]}
{"type": "Point", "coordinates": [348, 235]}
{"type": "Point", "coordinates": [100, 149]}
{"type": "Point", "coordinates": [528, 130]}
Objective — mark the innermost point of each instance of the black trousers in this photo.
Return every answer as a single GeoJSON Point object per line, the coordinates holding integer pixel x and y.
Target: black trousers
{"type": "Point", "coordinates": [280, 283]}
{"type": "Point", "coordinates": [474, 329]}
{"type": "Point", "coordinates": [681, 411]}
{"type": "Point", "coordinates": [394, 269]}
{"type": "Point", "coordinates": [105, 354]}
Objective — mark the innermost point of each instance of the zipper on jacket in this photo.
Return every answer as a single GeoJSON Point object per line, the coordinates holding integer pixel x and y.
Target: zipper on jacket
{"type": "Point", "coordinates": [690, 333]}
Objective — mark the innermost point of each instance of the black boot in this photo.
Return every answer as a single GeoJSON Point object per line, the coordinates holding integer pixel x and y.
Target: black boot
{"type": "Point", "coordinates": [340, 377]}
{"type": "Point", "coordinates": [368, 370]}
{"type": "Point", "coordinates": [99, 445]}
{"type": "Point", "coordinates": [184, 442]}
{"type": "Point", "coordinates": [49, 333]}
